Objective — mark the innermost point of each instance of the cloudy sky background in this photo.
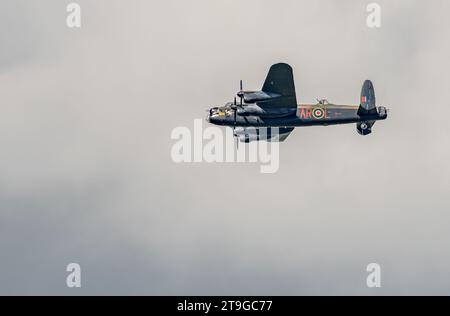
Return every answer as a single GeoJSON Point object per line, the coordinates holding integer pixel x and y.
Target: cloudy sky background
{"type": "Point", "coordinates": [86, 174]}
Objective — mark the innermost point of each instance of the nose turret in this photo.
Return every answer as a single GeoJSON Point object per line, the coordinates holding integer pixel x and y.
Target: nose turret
{"type": "Point", "coordinates": [213, 115]}
{"type": "Point", "coordinates": [220, 115]}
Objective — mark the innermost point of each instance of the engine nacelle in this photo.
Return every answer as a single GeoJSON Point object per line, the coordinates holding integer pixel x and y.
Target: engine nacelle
{"type": "Point", "coordinates": [249, 134]}
{"type": "Point", "coordinates": [257, 96]}
{"type": "Point", "coordinates": [247, 138]}
{"type": "Point", "coordinates": [251, 109]}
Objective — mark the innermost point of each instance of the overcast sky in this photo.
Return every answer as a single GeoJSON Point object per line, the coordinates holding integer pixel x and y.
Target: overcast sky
{"type": "Point", "coordinates": [86, 174]}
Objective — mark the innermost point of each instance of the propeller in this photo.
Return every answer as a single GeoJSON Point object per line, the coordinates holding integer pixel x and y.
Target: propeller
{"type": "Point", "coordinates": [241, 92]}
{"type": "Point", "coordinates": [234, 107]}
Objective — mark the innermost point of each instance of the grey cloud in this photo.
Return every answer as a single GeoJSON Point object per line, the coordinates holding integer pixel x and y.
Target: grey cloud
{"type": "Point", "coordinates": [86, 174]}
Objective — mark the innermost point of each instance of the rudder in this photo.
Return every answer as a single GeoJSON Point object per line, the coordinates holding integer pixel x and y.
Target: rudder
{"type": "Point", "coordinates": [367, 102]}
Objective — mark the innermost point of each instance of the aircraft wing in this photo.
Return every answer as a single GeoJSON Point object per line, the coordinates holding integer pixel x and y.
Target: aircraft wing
{"type": "Point", "coordinates": [279, 83]}
{"type": "Point", "coordinates": [283, 134]}
{"type": "Point", "coordinates": [283, 137]}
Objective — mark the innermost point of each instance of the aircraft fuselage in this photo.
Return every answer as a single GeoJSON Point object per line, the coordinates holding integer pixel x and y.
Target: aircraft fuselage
{"type": "Point", "coordinates": [305, 115]}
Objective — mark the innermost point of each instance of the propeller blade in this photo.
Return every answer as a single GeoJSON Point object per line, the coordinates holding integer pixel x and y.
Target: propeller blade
{"type": "Point", "coordinates": [241, 92]}
{"type": "Point", "coordinates": [236, 138]}
{"type": "Point", "coordinates": [234, 132]}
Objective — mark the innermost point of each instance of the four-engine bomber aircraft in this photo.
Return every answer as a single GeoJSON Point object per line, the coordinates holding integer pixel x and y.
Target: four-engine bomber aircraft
{"type": "Point", "coordinates": [276, 106]}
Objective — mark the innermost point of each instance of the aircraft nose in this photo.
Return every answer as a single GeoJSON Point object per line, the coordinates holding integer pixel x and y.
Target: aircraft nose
{"type": "Point", "coordinates": [208, 115]}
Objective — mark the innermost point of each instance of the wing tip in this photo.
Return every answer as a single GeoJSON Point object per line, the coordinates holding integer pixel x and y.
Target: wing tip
{"type": "Point", "coordinates": [281, 65]}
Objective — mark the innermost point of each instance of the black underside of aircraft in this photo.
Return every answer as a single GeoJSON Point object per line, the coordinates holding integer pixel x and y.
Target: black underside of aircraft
{"type": "Point", "coordinates": [272, 113]}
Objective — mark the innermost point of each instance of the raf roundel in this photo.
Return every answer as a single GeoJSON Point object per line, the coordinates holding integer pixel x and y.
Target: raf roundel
{"type": "Point", "coordinates": [318, 113]}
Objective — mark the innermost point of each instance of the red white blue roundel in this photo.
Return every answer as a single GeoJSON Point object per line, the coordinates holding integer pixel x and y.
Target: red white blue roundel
{"type": "Point", "coordinates": [318, 113]}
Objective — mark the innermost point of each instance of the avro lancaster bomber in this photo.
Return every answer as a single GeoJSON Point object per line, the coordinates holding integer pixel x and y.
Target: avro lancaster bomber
{"type": "Point", "coordinates": [276, 106]}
